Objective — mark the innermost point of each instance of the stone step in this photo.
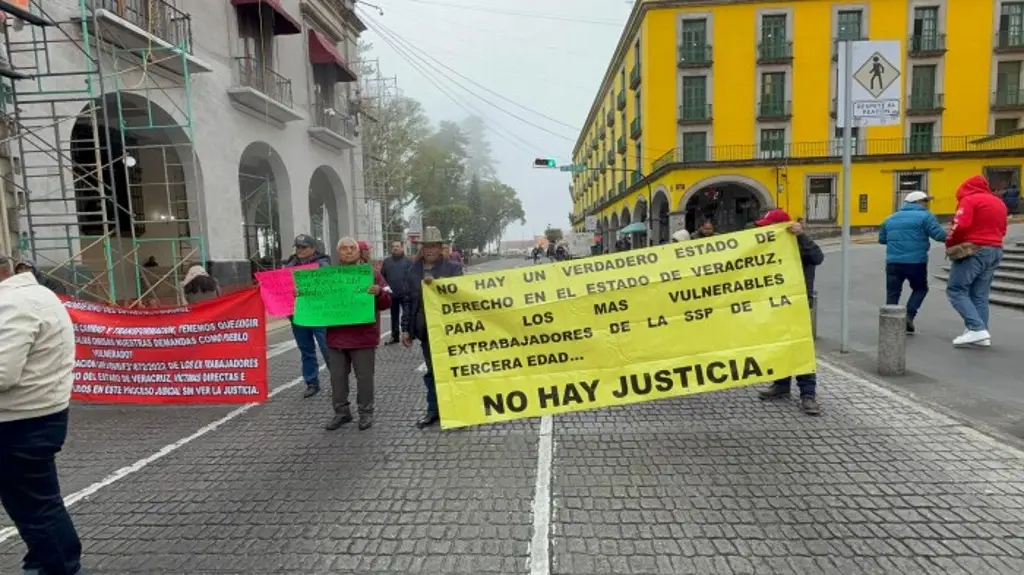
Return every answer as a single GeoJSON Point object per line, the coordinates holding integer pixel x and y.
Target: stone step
{"type": "Point", "coordinates": [1012, 288]}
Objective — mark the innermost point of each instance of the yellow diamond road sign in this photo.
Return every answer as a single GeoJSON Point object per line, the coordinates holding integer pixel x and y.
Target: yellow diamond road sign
{"type": "Point", "coordinates": [876, 74]}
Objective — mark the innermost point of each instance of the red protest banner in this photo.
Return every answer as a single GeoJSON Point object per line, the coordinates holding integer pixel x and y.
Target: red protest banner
{"type": "Point", "coordinates": [214, 352]}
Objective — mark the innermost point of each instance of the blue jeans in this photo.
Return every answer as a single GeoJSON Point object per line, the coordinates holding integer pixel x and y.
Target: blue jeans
{"type": "Point", "coordinates": [970, 281]}
{"type": "Point", "coordinates": [308, 339]}
{"type": "Point", "coordinates": [807, 383]}
{"type": "Point", "coordinates": [915, 274]}
{"type": "Point", "coordinates": [428, 378]}
{"type": "Point", "coordinates": [30, 492]}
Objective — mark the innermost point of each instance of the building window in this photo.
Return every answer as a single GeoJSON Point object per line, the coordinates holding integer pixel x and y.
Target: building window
{"type": "Point", "coordinates": [622, 78]}
{"type": "Point", "coordinates": [773, 142]}
{"type": "Point", "coordinates": [695, 147]}
{"type": "Point", "coordinates": [695, 97]}
{"type": "Point", "coordinates": [921, 137]}
{"type": "Point", "coordinates": [639, 150]}
{"type": "Point", "coordinates": [636, 54]}
{"type": "Point", "coordinates": [256, 37]}
{"type": "Point", "coordinates": [1008, 83]}
{"type": "Point", "coordinates": [854, 132]}
{"type": "Point", "coordinates": [1011, 25]}
{"type": "Point", "coordinates": [695, 41]}
{"type": "Point", "coordinates": [773, 29]}
{"type": "Point", "coordinates": [636, 104]}
{"type": "Point", "coordinates": [926, 29]}
{"type": "Point", "coordinates": [849, 25]}
{"type": "Point", "coordinates": [1005, 126]}
{"type": "Point", "coordinates": [773, 95]}
{"type": "Point", "coordinates": [922, 88]}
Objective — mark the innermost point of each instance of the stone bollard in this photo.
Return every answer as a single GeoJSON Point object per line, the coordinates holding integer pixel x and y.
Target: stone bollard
{"type": "Point", "coordinates": [892, 340]}
{"type": "Point", "coordinates": [814, 315]}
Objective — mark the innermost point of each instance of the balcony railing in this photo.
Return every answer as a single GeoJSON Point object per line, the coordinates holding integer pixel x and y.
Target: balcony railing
{"type": "Point", "coordinates": [610, 157]}
{"type": "Point", "coordinates": [601, 133]}
{"type": "Point", "coordinates": [157, 17]}
{"type": "Point", "coordinates": [634, 128]}
{"type": "Point", "coordinates": [1009, 40]}
{"type": "Point", "coordinates": [620, 100]}
{"type": "Point", "coordinates": [924, 103]}
{"type": "Point", "coordinates": [695, 113]}
{"type": "Point", "coordinates": [252, 73]}
{"type": "Point", "coordinates": [926, 44]}
{"type": "Point", "coordinates": [772, 109]}
{"type": "Point", "coordinates": [774, 51]}
{"type": "Point", "coordinates": [634, 77]}
{"type": "Point", "coordinates": [622, 186]}
{"type": "Point", "coordinates": [327, 116]}
{"type": "Point", "coordinates": [634, 178]}
{"type": "Point", "coordinates": [621, 144]}
{"type": "Point", "coordinates": [609, 118]}
{"type": "Point", "coordinates": [1008, 99]}
{"type": "Point", "coordinates": [695, 56]}
{"type": "Point", "coordinates": [832, 149]}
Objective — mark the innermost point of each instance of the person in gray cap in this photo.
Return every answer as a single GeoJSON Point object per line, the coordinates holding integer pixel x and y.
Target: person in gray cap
{"type": "Point", "coordinates": [37, 360]}
{"type": "Point", "coordinates": [308, 339]}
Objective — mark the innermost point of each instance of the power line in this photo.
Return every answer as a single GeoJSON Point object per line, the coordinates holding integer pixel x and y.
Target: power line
{"type": "Point", "coordinates": [533, 15]}
{"type": "Point", "coordinates": [406, 44]}
{"type": "Point", "coordinates": [468, 108]}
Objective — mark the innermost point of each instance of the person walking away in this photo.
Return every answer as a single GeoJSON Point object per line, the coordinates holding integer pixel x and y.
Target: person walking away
{"type": "Point", "coordinates": [308, 339]}
{"type": "Point", "coordinates": [395, 270]}
{"type": "Point", "coordinates": [353, 348]}
{"type": "Point", "coordinates": [1011, 198]}
{"type": "Point", "coordinates": [975, 246]}
{"type": "Point", "coordinates": [37, 347]}
{"type": "Point", "coordinates": [905, 236]}
{"type": "Point", "coordinates": [198, 286]}
{"type": "Point", "coordinates": [414, 321]}
{"type": "Point", "coordinates": [811, 257]}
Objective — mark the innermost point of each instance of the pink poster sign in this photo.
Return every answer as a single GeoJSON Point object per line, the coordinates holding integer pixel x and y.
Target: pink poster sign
{"type": "Point", "coordinates": [277, 288]}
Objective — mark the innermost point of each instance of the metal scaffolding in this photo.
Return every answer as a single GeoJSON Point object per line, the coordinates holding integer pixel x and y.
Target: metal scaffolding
{"type": "Point", "coordinates": [381, 216]}
{"type": "Point", "coordinates": [95, 153]}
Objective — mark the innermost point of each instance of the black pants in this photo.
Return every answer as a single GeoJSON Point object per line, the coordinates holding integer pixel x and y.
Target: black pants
{"type": "Point", "coordinates": [914, 274]}
{"type": "Point", "coordinates": [396, 310]}
{"type": "Point", "coordinates": [30, 493]}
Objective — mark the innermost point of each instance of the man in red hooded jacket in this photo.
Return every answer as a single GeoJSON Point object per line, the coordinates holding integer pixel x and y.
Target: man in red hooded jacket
{"type": "Point", "coordinates": [978, 228]}
{"type": "Point", "coordinates": [353, 348]}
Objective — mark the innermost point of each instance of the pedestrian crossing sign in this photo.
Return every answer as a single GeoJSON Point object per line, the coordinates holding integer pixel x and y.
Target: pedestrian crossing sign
{"type": "Point", "coordinates": [876, 74]}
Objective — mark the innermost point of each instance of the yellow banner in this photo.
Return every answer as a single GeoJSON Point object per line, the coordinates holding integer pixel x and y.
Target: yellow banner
{"type": "Point", "coordinates": [672, 320]}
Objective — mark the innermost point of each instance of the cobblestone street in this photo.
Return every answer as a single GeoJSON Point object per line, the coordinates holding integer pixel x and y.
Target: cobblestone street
{"type": "Point", "coordinates": [719, 483]}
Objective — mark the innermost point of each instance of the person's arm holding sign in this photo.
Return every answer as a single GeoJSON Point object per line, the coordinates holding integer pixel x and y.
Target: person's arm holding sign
{"type": "Point", "coordinates": [379, 290]}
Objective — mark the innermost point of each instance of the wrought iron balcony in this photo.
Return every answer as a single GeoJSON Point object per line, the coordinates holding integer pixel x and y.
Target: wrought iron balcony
{"type": "Point", "coordinates": [620, 145]}
{"type": "Point", "coordinates": [1009, 40]}
{"type": "Point", "coordinates": [926, 45]}
{"type": "Point", "coordinates": [333, 127]}
{"type": "Point", "coordinates": [262, 89]}
{"type": "Point", "coordinates": [1008, 99]}
{"type": "Point", "coordinates": [609, 118]}
{"type": "Point", "coordinates": [635, 128]}
{"type": "Point", "coordinates": [925, 103]}
{"type": "Point", "coordinates": [695, 114]}
{"type": "Point", "coordinates": [695, 56]}
{"type": "Point", "coordinates": [774, 52]}
{"type": "Point", "coordinates": [634, 77]}
{"type": "Point", "coordinates": [610, 157]}
{"type": "Point", "coordinates": [620, 100]}
{"type": "Point", "coordinates": [771, 109]}
{"type": "Point", "coordinates": [153, 29]}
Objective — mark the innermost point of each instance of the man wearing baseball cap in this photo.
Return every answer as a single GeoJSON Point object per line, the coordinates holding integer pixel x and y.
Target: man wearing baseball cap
{"type": "Point", "coordinates": [811, 257]}
{"type": "Point", "coordinates": [308, 339]}
{"type": "Point", "coordinates": [905, 236]}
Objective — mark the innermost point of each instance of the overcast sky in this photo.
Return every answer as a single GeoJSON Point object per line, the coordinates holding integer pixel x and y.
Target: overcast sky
{"type": "Point", "coordinates": [546, 56]}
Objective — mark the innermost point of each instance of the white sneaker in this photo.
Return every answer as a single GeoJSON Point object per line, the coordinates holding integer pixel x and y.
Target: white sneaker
{"type": "Point", "coordinates": [983, 343]}
{"type": "Point", "coordinates": [973, 337]}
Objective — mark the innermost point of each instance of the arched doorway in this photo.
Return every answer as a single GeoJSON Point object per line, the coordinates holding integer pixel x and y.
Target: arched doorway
{"type": "Point", "coordinates": [328, 221]}
{"type": "Point", "coordinates": [265, 194]}
{"type": "Point", "coordinates": [638, 239]}
{"type": "Point", "coordinates": [731, 202]}
{"type": "Point", "coordinates": [624, 220]}
{"type": "Point", "coordinates": [138, 194]}
{"type": "Point", "coordinates": [659, 219]}
{"type": "Point", "coordinates": [611, 242]}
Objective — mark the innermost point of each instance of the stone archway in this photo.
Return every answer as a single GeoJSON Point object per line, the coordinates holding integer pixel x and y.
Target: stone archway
{"type": "Point", "coordinates": [328, 214]}
{"type": "Point", "coordinates": [659, 217]}
{"type": "Point", "coordinates": [265, 193]}
{"type": "Point", "coordinates": [731, 202]}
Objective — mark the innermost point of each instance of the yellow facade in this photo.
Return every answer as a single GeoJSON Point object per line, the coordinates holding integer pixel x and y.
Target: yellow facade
{"type": "Point", "coordinates": [959, 91]}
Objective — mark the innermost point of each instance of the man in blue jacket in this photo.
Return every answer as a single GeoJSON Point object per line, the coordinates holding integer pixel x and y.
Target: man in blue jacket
{"type": "Point", "coordinates": [905, 236]}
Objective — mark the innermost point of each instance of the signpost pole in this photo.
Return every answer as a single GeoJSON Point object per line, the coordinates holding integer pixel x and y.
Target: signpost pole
{"type": "Point", "coordinates": [847, 111]}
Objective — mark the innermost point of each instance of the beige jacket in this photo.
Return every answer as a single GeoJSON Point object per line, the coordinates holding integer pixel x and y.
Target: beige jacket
{"type": "Point", "coordinates": [37, 350]}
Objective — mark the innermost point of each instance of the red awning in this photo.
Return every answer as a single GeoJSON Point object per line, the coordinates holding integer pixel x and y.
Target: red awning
{"type": "Point", "coordinates": [322, 51]}
{"type": "Point", "coordinates": [284, 24]}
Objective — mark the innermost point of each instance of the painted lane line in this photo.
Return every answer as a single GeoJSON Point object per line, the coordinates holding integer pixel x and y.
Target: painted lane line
{"type": "Point", "coordinates": [9, 532]}
{"type": "Point", "coordinates": [540, 552]}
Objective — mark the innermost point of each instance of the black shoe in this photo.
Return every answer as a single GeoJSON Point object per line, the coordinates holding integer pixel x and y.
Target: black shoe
{"type": "Point", "coordinates": [774, 391]}
{"type": "Point", "coordinates": [311, 390]}
{"type": "Point", "coordinates": [427, 420]}
{"type": "Point", "coordinates": [810, 405]}
{"type": "Point", "coordinates": [910, 326]}
{"type": "Point", "coordinates": [394, 339]}
{"type": "Point", "coordinates": [365, 421]}
{"type": "Point", "coordinates": [337, 422]}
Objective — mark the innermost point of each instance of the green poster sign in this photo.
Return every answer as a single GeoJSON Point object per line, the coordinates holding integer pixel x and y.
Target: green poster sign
{"type": "Point", "coordinates": [334, 296]}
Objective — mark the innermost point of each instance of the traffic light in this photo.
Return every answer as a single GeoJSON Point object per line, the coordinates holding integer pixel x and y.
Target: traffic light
{"type": "Point", "coordinates": [545, 163]}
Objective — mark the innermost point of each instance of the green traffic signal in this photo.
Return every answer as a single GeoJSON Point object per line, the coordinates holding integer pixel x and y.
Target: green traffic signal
{"type": "Point", "coordinates": [545, 163]}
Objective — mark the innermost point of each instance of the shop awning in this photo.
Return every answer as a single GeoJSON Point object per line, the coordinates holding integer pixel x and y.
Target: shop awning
{"type": "Point", "coordinates": [322, 51]}
{"type": "Point", "coordinates": [284, 24]}
{"type": "Point", "coordinates": [634, 228]}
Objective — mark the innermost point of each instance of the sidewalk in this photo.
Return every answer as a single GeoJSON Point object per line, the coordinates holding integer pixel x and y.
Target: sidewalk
{"type": "Point", "coordinates": [719, 483]}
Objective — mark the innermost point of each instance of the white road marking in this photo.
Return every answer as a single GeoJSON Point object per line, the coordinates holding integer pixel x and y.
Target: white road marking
{"type": "Point", "coordinates": [540, 552]}
{"type": "Point", "coordinates": [9, 532]}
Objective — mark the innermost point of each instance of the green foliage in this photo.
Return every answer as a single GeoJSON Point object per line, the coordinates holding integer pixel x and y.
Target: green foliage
{"type": "Point", "coordinates": [554, 235]}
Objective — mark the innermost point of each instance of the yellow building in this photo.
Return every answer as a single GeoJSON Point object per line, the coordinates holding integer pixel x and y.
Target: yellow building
{"type": "Point", "coordinates": [722, 109]}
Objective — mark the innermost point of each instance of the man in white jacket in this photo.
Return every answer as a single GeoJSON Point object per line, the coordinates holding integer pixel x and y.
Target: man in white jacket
{"type": "Point", "coordinates": [37, 356]}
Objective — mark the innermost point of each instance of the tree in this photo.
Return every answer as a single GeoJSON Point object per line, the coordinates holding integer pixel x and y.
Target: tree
{"type": "Point", "coordinates": [554, 235]}
{"type": "Point", "coordinates": [474, 201]}
{"type": "Point", "coordinates": [479, 161]}
{"type": "Point", "coordinates": [438, 180]}
{"type": "Point", "coordinates": [501, 207]}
